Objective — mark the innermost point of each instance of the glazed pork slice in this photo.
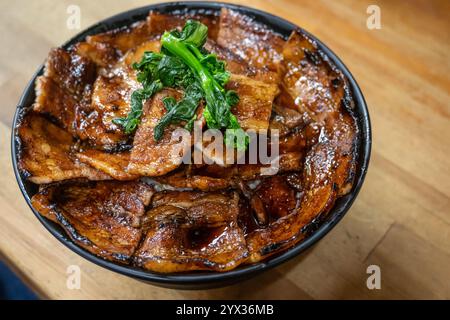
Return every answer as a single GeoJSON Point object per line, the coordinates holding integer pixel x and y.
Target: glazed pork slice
{"type": "Point", "coordinates": [102, 55]}
{"type": "Point", "coordinates": [70, 71]}
{"type": "Point", "coordinates": [102, 217]}
{"type": "Point", "coordinates": [155, 158]}
{"type": "Point", "coordinates": [286, 120]}
{"type": "Point", "coordinates": [188, 231]}
{"type": "Point", "coordinates": [234, 63]}
{"type": "Point", "coordinates": [188, 179]}
{"type": "Point", "coordinates": [65, 86]}
{"type": "Point", "coordinates": [64, 93]}
{"type": "Point", "coordinates": [310, 84]}
{"type": "Point", "coordinates": [45, 153]}
{"type": "Point", "coordinates": [111, 99]}
{"type": "Point", "coordinates": [200, 177]}
{"type": "Point", "coordinates": [122, 40]}
{"type": "Point", "coordinates": [84, 88]}
{"type": "Point", "coordinates": [107, 48]}
{"type": "Point", "coordinates": [237, 65]}
{"type": "Point", "coordinates": [113, 164]}
{"type": "Point", "coordinates": [291, 226]}
{"type": "Point", "coordinates": [260, 47]}
{"type": "Point", "coordinates": [161, 22]}
{"type": "Point", "coordinates": [313, 86]}
{"type": "Point", "coordinates": [54, 101]}
{"type": "Point", "coordinates": [255, 101]}
{"type": "Point", "coordinates": [271, 198]}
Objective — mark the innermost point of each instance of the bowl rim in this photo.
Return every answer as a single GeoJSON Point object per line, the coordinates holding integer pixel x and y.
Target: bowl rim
{"type": "Point", "coordinates": [339, 209]}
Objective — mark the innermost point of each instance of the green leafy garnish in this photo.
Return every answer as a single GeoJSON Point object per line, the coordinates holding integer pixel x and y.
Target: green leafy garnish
{"type": "Point", "coordinates": [183, 110]}
{"type": "Point", "coordinates": [184, 63]}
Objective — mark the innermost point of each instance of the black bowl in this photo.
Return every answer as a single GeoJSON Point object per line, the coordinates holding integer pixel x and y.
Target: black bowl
{"type": "Point", "coordinates": [200, 280]}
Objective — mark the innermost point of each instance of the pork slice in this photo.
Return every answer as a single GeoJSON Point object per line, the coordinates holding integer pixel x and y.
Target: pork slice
{"type": "Point", "coordinates": [255, 101]}
{"type": "Point", "coordinates": [183, 180]}
{"type": "Point", "coordinates": [70, 71]}
{"type": "Point", "coordinates": [56, 102]}
{"type": "Point", "coordinates": [315, 87]}
{"type": "Point", "coordinates": [161, 22]}
{"type": "Point", "coordinates": [111, 99]}
{"type": "Point", "coordinates": [123, 39]}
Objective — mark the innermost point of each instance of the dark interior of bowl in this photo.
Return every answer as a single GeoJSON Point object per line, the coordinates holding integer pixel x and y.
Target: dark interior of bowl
{"type": "Point", "coordinates": [199, 280]}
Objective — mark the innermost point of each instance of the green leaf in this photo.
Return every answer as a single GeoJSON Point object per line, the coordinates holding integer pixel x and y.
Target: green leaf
{"type": "Point", "coordinates": [132, 120]}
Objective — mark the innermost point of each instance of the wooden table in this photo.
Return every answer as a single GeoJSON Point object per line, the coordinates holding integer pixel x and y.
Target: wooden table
{"type": "Point", "coordinates": [401, 218]}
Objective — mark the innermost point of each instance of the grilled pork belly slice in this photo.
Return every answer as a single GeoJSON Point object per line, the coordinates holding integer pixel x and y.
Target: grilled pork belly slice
{"type": "Point", "coordinates": [286, 120]}
{"type": "Point", "coordinates": [70, 71]}
{"type": "Point", "coordinates": [45, 153]}
{"type": "Point", "coordinates": [102, 217]}
{"type": "Point", "coordinates": [120, 40]}
{"type": "Point", "coordinates": [188, 231]}
{"type": "Point", "coordinates": [237, 65]}
{"type": "Point", "coordinates": [113, 164]}
{"type": "Point", "coordinates": [234, 63]}
{"type": "Point", "coordinates": [107, 48]}
{"type": "Point", "coordinates": [82, 102]}
{"type": "Point", "coordinates": [270, 198]}
{"type": "Point", "coordinates": [253, 42]}
{"type": "Point", "coordinates": [155, 158]}
{"type": "Point", "coordinates": [278, 198]}
{"type": "Point", "coordinates": [318, 197]}
{"type": "Point", "coordinates": [255, 101]}
{"type": "Point", "coordinates": [65, 87]}
{"type": "Point", "coordinates": [103, 56]}
{"type": "Point", "coordinates": [160, 22]}
{"type": "Point", "coordinates": [64, 93]}
{"type": "Point", "coordinates": [290, 161]}
{"type": "Point", "coordinates": [111, 99]}
{"type": "Point", "coordinates": [189, 179]}
{"type": "Point", "coordinates": [56, 102]}
{"type": "Point", "coordinates": [316, 88]}
{"type": "Point", "coordinates": [310, 82]}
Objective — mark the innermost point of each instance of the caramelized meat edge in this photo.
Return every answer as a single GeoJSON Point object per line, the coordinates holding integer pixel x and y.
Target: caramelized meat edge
{"type": "Point", "coordinates": [45, 153]}
{"type": "Point", "coordinates": [102, 217]}
{"type": "Point", "coordinates": [188, 231]}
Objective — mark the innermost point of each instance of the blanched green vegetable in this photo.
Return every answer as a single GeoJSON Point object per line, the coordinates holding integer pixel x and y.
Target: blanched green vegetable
{"type": "Point", "coordinates": [184, 63]}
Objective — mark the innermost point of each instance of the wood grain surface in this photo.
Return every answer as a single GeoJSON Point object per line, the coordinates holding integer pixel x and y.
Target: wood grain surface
{"type": "Point", "coordinates": [400, 220]}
